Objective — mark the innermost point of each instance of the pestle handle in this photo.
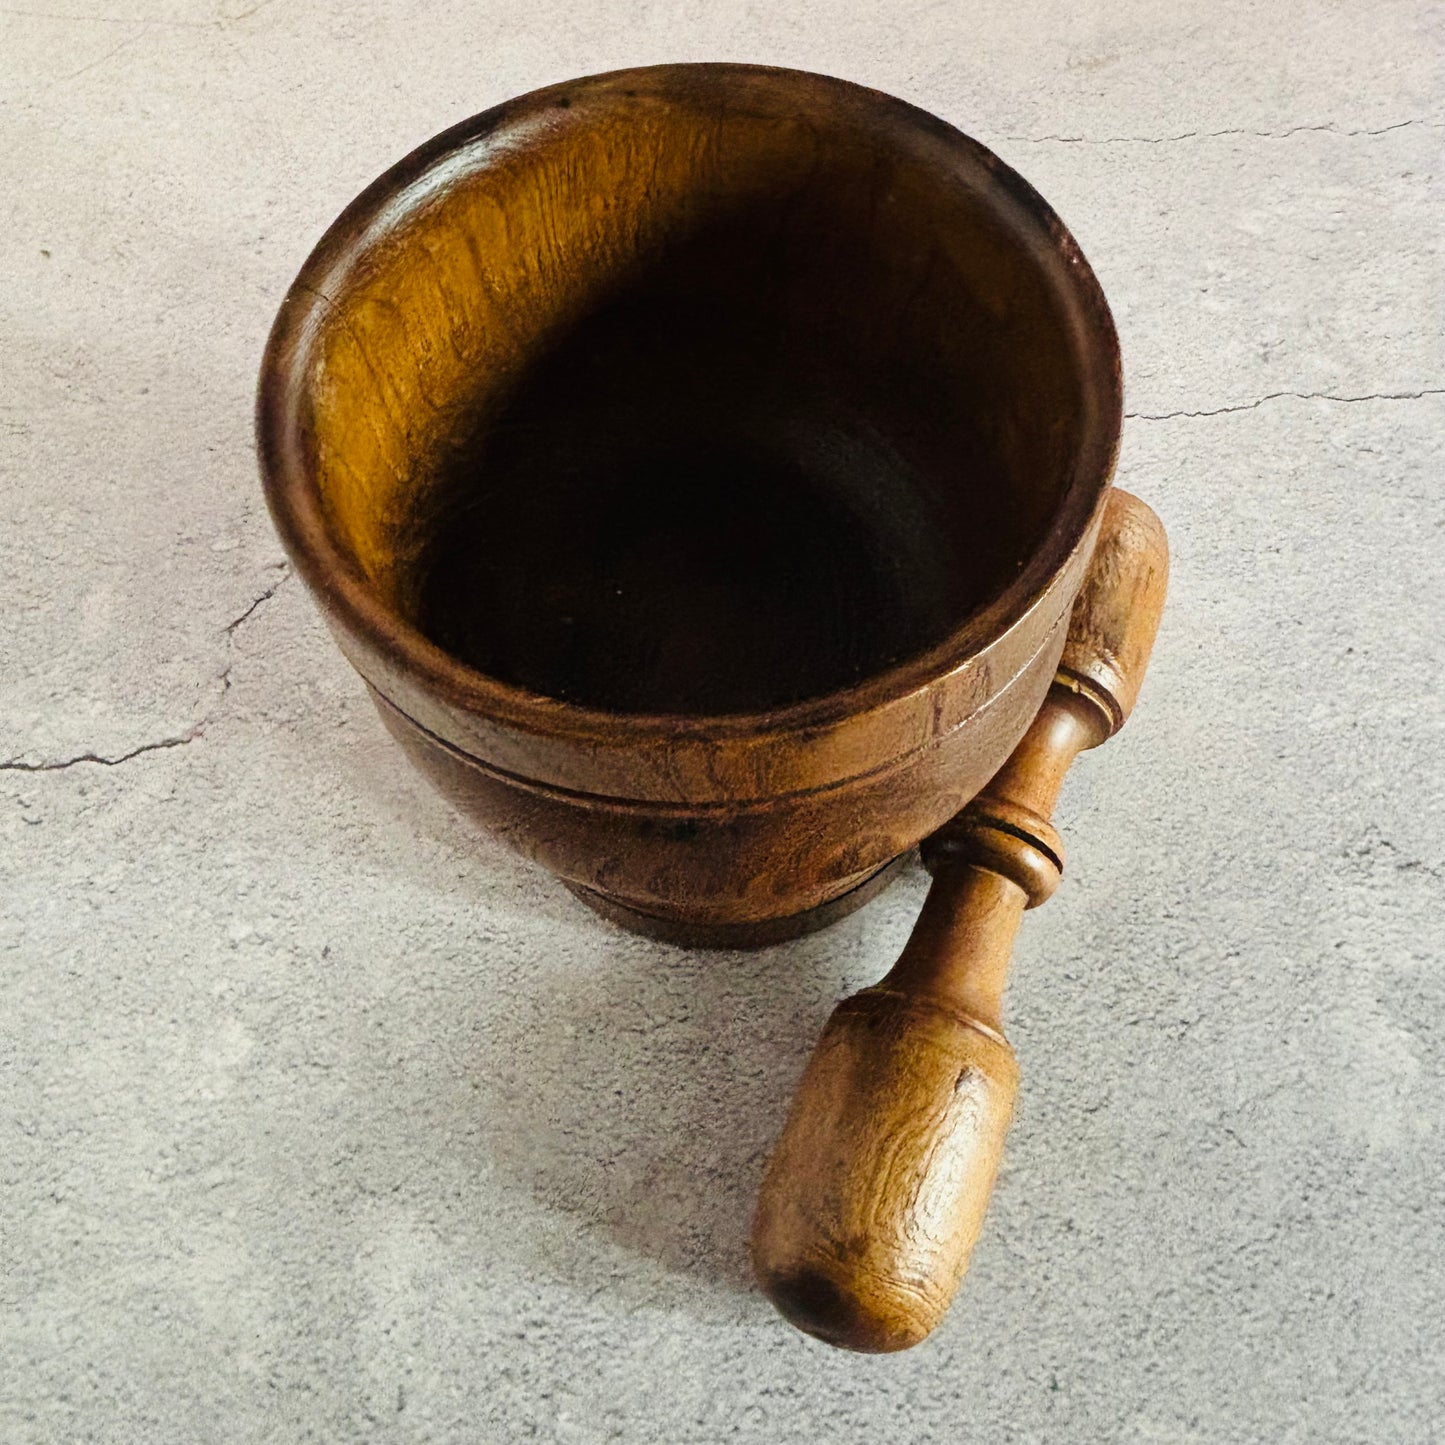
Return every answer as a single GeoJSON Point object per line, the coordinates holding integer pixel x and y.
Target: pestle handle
{"type": "Point", "coordinates": [877, 1188]}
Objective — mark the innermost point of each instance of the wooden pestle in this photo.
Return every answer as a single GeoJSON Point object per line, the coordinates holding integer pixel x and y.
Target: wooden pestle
{"type": "Point", "coordinates": [877, 1188]}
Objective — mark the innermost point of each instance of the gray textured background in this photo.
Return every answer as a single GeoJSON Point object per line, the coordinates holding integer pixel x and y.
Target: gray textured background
{"type": "Point", "coordinates": [322, 1119]}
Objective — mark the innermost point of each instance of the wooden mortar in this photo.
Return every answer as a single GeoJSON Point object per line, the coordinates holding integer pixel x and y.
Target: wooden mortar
{"type": "Point", "coordinates": [700, 463]}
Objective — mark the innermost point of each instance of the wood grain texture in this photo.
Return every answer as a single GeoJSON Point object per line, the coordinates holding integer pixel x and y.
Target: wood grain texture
{"type": "Point", "coordinates": [698, 463]}
{"type": "Point", "coordinates": [877, 1189]}
{"type": "Point", "coordinates": [1116, 616]}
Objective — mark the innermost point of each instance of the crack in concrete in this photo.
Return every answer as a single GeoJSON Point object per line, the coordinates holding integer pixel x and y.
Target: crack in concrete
{"type": "Point", "coordinates": [15, 765]}
{"type": "Point", "coordinates": [98, 61]}
{"type": "Point", "coordinates": [141, 22]}
{"type": "Point", "coordinates": [196, 730]}
{"type": "Point", "coordinates": [1290, 395]}
{"type": "Point", "coordinates": [265, 597]}
{"type": "Point", "coordinates": [1325, 128]}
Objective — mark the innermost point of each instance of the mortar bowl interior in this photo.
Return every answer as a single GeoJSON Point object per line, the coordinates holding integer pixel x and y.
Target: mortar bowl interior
{"type": "Point", "coordinates": [691, 391]}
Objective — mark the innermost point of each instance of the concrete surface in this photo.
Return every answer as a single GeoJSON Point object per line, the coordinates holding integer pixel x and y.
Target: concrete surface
{"type": "Point", "coordinates": [322, 1119]}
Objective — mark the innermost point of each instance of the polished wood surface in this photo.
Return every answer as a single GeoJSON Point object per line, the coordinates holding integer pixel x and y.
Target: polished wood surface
{"type": "Point", "coordinates": [877, 1189]}
{"type": "Point", "coordinates": [699, 463]}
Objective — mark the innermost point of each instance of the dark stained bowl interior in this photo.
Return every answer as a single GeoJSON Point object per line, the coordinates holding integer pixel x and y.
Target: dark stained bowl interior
{"type": "Point", "coordinates": [697, 398]}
